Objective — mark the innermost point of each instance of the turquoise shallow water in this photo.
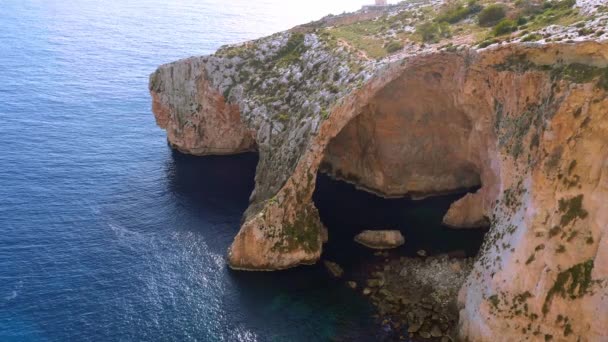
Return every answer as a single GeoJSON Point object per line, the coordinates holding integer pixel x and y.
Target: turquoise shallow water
{"type": "Point", "coordinates": [105, 234]}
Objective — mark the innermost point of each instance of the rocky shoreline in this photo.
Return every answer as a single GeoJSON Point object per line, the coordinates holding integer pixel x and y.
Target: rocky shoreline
{"type": "Point", "coordinates": [415, 298]}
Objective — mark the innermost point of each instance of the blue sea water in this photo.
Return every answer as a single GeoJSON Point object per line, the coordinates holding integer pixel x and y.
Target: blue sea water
{"type": "Point", "coordinates": [107, 235]}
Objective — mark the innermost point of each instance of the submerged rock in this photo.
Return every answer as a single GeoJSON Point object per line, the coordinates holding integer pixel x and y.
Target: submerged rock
{"type": "Point", "coordinates": [334, 269]}
{"type": "Point", "coordinates": [424, 297]}
{"type": "Point", "coordinates": [425, 334]}
{"type": "Point", "coordinates": [380, 239]}
{"type": "Point", "coordinates": [436, 331]}
{"type": "Point", "coordinates": [375, 282]}
{"type": "Point", "coordinates": [414, 327]}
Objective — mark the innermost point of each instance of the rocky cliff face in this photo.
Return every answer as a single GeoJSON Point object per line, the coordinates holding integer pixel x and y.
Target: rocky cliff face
{"type": "Point", "coordinates": [526, 122]}
{"type": "Point", "coordinates": [197, 118]}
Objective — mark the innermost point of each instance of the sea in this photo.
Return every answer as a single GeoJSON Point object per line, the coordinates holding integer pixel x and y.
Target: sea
{"type": "Point", "coordinates": [106, 234]}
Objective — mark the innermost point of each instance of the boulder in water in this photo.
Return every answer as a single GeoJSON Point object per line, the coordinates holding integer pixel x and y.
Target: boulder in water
{"type": "Point", "coordinates": [334, 269]}
{"type": "Point", "coordinates": [380, 239]}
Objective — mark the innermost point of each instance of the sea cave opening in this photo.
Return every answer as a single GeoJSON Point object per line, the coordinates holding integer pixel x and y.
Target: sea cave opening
{"type": "Point", "coordinates": [412, 292]}
{"type": "Point", "coordinates": [409, 153]}
{"type": "Point", "coordinates": [400, 163]}
{"type": "Point", "coordinates": [346, 211]}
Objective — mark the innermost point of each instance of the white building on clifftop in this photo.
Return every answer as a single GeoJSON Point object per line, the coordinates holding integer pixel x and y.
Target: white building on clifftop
{"type": "Point", "coordinates": [377, 5]}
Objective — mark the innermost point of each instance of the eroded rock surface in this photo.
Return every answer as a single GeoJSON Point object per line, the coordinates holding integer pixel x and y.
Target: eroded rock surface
{"type": "Point", "coordinates": [197, 118]}
{"type": "Point", "coordinates": [524, 121]}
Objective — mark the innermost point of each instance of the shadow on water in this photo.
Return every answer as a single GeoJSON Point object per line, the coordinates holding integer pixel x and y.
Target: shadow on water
{"type": "Point", "coordinates": [347, 211]}
{"type": "Point", "coordinates": [219, 181]}
{"type": "Point", "coordinates": [221, 185]}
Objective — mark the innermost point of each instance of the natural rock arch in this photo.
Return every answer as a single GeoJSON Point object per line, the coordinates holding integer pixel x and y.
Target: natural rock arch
{"type": "Point", "coordinates": [533, 132]}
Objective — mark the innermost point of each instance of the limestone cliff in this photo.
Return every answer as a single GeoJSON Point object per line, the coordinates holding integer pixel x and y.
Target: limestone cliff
{"type": "Point", "coordinates": [521, 114]}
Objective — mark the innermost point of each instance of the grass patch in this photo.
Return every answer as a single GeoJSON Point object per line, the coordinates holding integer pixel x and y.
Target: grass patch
{"type": "Point", "coordinates": [559, 14]}
{"type": "Point", "coordinates": [394, 46]}
{"type": "Point", "coordinates": [361, 36]}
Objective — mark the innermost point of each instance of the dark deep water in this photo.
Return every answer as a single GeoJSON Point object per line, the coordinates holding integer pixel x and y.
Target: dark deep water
{"type": "Point", "coordinates": [105, 234]}
{"type": "Point", "coordinates": [347, 211]}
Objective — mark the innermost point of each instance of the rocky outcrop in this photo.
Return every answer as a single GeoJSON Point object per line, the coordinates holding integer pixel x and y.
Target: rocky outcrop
{"type": "Point", "coordinates": [467, 212]}
{"type": "Point", "coordinates": [524, 122]}
{"type": "Point", "coordinates": [380, 239]}
{"type": "Point", "coordinates": [195, 115]}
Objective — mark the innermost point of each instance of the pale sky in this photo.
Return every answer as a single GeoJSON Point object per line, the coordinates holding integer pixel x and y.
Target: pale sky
{"type": "Point", "coordinates": [314, 9]}
{"type": "Point", "coordinates": [282, 15]}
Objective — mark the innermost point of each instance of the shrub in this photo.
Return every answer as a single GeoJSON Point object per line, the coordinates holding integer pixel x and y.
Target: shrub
{"type": "Point", "coordinates": [283, 117]}
{"type": "Point", "coordinates": [504, 26]}
{"type": "Point", "coordinates": [521, 21]}
{"type": "Point", "coordinates": [433, 32]}
{"type": "Point", "coordinates": [394, 46]}
{"type": "Point", "coordinates": [292, 50]}
{"type": "Point", "coordinates": [531, 37]}
{"type": "Point", "coordinates": [491, 15]}
{"type": "Point", "coordinates": [457, 11]}
{"type": "Point", "coordinates": [487, 43]}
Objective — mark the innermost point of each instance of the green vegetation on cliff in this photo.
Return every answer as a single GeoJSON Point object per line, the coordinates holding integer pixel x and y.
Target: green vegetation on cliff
{"type": "Point", "coordinates": [491, 15]}
{"type": "Point", "coordinates": [433, 32]}
{"type": "Point", "coordinates": [571, 209]}
{"type": "Point", "coordinates": [457, 11]}
{"type": "Point", "coordinates": [304, 233]}
{"type": "Point", "coordinates": [292, 50]}
{"type": "Point", "coordinates": [504, 26]}
{"type": "Point", "coordinates": [572, 283]}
